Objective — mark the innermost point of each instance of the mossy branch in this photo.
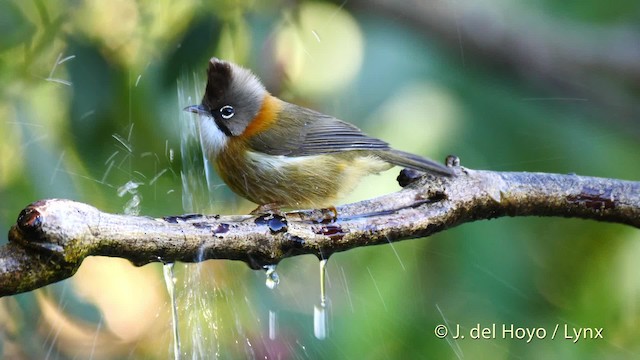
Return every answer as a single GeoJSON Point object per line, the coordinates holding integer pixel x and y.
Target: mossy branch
{"type": "Point", "coordinates": [52, 237]}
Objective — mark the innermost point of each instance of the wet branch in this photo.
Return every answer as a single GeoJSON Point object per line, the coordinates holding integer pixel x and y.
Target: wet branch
{"type": "Point", "coordinates": [52, 237]}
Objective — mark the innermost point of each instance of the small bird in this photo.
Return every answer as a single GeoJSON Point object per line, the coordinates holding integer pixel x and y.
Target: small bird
{"type": "Point", "coordinates": [281, 155]}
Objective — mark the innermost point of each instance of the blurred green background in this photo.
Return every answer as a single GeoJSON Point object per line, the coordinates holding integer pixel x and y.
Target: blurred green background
{"type": "Point", "coordinates": [91, 94]}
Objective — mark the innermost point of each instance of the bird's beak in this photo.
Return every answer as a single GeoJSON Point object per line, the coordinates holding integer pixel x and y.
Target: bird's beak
{"type": "Point", "coordinates": [197, 109]}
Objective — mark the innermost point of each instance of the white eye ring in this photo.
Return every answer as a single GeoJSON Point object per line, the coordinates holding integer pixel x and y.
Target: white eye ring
{"type": "Point", "coordinates": [227, 112]}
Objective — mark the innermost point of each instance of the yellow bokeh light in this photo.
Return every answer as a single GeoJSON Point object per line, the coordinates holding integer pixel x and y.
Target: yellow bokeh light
{"type": "Point", "coordinates": [127, 296]}
{"type": "Point", "coordinates": [118, 26]}
{"type": "Point", "coordinates": [321, 48]}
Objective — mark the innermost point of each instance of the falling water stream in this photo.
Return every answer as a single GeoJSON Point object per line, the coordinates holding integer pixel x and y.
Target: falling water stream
{"type": "Point", "coordinates": [320, 311]}
{"type": "Point", "coordinates": [272, 281]}
{"type": "Point", "coordinates": [170, 281]}
{"type": "Point", "coordinates": [195, 198]}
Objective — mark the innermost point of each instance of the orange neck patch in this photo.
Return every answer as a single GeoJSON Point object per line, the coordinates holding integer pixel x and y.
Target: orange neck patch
{"type": "Point", "coordinates": [266, 116]}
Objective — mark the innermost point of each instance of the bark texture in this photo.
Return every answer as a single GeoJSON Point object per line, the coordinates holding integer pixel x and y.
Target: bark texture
{"type": "Point", "coordinates": [52, 237]}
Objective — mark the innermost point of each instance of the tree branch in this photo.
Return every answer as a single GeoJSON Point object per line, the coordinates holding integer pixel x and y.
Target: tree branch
{"type": "Point", "coordinates": [52, 237]}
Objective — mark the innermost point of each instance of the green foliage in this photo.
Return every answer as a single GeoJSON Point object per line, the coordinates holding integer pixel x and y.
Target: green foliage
{"type": "Point", "coordinates": [16, 29]}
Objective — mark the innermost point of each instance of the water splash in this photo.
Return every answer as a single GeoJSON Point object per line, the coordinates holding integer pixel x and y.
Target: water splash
{"type": "Point", "coordinates": [170, 281]}
{"type": "Point", "coordinates": [132, 207]}
{"type": "Point", "coordinates": [197, 178]}
{"type": "Point", "coordinates": [213, 314]}
{"type": "Point", "coordinates": [320, 312]}
{"type": "Point", "coordinates": [59, 61]}
{"type": "Point", "coordinates": [273, 279]}
{"type": "Point", "coordinates": [202, 303]}
{"type": "Point", "coordinates": [130, 187]}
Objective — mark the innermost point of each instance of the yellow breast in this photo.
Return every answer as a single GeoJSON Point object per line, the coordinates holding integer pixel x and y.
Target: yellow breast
{"type": "Point", "coordinates": [294, 182]}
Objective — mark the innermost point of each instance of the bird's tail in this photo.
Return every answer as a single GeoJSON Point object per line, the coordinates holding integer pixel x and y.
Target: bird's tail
{"type": "Point", "coordinates": [401, 158]}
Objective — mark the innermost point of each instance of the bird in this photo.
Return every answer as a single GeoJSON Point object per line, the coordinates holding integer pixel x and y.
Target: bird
{"type": "Point", "coordinates": [282, 155]}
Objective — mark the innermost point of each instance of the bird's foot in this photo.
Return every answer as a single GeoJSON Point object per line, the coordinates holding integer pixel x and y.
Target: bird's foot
{"type": "Point", "coordinates": [324, 215]}
{"type": "Point", "coordinates": [270, 208]}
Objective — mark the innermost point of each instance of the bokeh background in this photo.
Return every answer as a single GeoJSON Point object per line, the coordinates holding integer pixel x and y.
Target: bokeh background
{"type": "Point", "coordinates": [91, 94]}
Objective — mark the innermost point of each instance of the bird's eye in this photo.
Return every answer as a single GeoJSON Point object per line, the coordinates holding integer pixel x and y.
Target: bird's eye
{"type": "Point", "coordinates": [227, 111]}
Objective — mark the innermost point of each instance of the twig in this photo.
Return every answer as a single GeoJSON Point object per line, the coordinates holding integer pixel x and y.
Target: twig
{"type": "Point", "coordinates": [52, 237]}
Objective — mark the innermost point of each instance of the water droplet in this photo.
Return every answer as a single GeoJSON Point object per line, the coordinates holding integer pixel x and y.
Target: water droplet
{"type": "Point", "coordinates": [320, 322]}
{"type": "Point", "coordinates": [277, 223]}
{"type": "Point", "coordinates": [132, 207]}
{"type": "Point", "coordinates": [130, 187]}
{"type": "Point", "coordinates": [272, 276]}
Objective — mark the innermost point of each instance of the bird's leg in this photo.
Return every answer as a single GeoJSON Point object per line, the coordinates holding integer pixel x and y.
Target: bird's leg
{"type": "Point", "coordinates": [330, 213]}
{"type": "Point", "coordinates": [324, 215]}
{"type": "Point", "coordinates": [270, 208]}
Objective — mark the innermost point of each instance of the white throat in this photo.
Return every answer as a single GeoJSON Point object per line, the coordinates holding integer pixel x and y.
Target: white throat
{"type": "Point", "coordinates": [212, 138]}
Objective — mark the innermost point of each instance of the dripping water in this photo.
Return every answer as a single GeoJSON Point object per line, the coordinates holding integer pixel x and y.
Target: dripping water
{"type": "Point", "coordinates": [170, 281]}
{"type": "Point", "coordinates": [320, 311]}
{"type": "Point", "coordinates": [272, 281]}
{"type": "Point", "coordinates": [273, 325]}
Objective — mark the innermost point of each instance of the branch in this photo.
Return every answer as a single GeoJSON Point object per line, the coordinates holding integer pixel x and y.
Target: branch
{"type": "Point", "coordinates": [52, 237]}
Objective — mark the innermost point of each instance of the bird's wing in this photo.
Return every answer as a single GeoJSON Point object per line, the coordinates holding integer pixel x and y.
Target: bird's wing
{"type": "Point", "coordinates": [303, 132]}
